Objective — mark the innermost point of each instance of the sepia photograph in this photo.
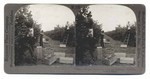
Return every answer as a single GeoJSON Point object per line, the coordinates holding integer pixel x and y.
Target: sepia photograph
{"type": "Point", "coordinates": [45, 35]}
{"type": "Point", "coordinates": [75, 38]}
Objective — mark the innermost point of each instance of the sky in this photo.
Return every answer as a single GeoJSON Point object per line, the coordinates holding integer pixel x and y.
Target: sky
{"type": "Point", "coordinates": [108, 15]}
{"type": "Point", "coordinates": [49, 16]}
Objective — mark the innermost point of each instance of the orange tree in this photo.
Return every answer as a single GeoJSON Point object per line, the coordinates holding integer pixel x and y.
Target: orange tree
{"type": "Point", "coordinates": [25, 38]}
{"type": "Point", "coordinates": [119, 34]}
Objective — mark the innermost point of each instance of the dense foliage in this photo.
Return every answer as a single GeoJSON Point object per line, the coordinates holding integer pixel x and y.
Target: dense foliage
{"type": "Point", "coordinates": [26, 36]}
{"type": "Point", "coordinates": [119, 34]}
{"type": "Point", "coordinates": [58, 34]}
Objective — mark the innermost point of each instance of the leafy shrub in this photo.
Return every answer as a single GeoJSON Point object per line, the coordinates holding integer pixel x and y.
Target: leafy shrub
{"type": "Point", "coordinates": [24, 43]}
{"type": "Point", "coordinates": [120, 32]}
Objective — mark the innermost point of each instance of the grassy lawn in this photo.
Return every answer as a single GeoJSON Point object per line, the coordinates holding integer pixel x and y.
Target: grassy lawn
{"type": "Point", "coordinates": [114, 47]}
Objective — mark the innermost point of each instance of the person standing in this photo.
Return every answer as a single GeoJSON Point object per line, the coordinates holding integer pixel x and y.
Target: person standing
{"type": "Point", "coordinates": [128, 28]}
{"type": "Point", "coordinates": [65, 35]}
{"type": "Point", "coordinates": [91, 38]}
{"type": "Point", "coordinates": [102, 39]}
{"type": "Point", "coordinates": [41, 38]}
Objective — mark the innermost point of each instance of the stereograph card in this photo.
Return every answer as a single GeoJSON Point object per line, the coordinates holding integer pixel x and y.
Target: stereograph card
{"type": "Point", "coordinates": [74, 38]}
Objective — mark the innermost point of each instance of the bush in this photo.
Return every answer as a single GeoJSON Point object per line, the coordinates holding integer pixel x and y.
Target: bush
{"type": "Point", "coordinates": [58, 34]}
{"type": "Point", "coordinates": [119, 34]}
{"type": "Point", "coordinates": [24, 40]}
